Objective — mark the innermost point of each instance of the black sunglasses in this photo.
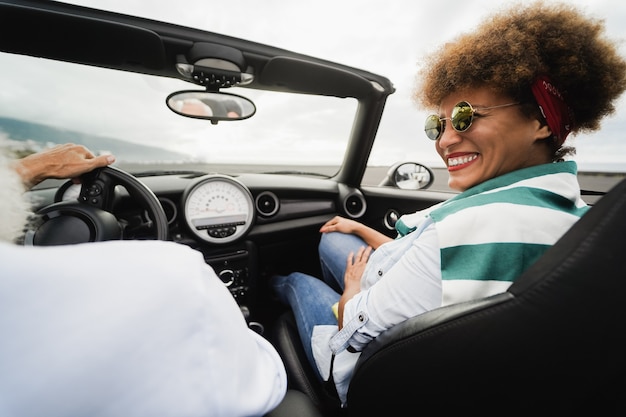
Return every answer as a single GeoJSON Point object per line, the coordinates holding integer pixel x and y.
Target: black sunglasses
{"type": "Point", "coordinates": [461, 119]}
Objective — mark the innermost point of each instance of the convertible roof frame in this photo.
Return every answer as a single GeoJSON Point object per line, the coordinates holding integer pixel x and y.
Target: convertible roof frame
{"type": "Point", "coordinates": [66, 32]}
{"type": "Point", "coordinates": [95, 37]}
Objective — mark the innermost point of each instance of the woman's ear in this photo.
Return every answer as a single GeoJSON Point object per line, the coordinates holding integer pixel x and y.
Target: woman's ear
{"type": "Point", "coordinates": [543, 132]}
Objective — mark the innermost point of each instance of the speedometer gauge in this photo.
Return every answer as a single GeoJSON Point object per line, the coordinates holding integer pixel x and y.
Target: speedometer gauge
{"type": "Point", "coordinates": [218, 209]}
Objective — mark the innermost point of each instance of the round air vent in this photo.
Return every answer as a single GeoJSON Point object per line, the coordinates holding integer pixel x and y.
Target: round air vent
{"type": "Point", "coordinates": [354, 205]}
{"type": "Point", "coordinates": [390, 219]}
{"type": "Point", "coordinates": [267, 204]}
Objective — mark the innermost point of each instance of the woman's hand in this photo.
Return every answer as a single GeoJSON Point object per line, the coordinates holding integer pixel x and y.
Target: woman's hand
{"type": "Point", "coordinates": [355, 265]}
{"type": "Point", "coordinates": [340, 224]}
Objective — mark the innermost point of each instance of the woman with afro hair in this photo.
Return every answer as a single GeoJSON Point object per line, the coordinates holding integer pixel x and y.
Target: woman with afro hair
{"type": "Point", "coordinates": [504, 98]}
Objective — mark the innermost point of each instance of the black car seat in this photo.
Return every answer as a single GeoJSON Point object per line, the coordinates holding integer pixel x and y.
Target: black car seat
{"type": "Point", "coordinates": [553, 344]}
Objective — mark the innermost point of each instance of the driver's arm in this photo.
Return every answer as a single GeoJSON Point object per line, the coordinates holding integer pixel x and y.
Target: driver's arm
{"type": "Point", "coordinates": [61, 161]}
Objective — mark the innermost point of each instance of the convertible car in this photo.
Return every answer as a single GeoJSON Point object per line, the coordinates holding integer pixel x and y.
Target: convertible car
{"type": "Point", "coordinates": [243, 150]}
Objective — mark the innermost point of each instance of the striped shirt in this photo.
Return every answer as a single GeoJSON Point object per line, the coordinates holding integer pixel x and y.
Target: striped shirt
{"type": "Point", "coordinates": [484, 234]}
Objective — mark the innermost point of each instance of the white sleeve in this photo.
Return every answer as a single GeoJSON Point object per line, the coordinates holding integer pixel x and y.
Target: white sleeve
{"type": "Point", "coordinates": [410, 287]}
{"type": "Point", "coordinates": [127, 328]}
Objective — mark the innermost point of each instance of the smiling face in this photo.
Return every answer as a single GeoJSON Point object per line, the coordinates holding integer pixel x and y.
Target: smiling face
{"type": "Point", "coordinates": [499, 141]}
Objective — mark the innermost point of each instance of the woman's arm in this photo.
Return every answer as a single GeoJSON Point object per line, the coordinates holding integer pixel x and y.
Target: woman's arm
{"type": "Point", "coordinates": [340, 224]}
{"type": "Point", "coordinates": [410, 284]}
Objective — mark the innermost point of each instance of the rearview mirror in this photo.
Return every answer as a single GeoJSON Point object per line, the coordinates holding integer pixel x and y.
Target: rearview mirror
{"type": "Point", "coordinates": [408, 176]}
{"type": "Point", "coordinates": [213, 106]}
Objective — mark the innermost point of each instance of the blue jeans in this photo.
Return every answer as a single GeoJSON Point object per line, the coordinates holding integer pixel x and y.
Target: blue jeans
{"type": "Point", "coordinates": [309, 297]}
{"type": "Point", "coordinates": [333, 250]}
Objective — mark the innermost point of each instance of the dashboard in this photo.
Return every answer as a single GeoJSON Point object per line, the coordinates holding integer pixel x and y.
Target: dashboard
{"type": "Point", "coordinates": [244, 225]}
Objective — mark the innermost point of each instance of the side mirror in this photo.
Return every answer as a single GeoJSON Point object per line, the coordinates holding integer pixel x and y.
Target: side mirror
{"type": "Point", "coordinates": [408, 176]}
{"type": "Point", "coordinates": [213, 106]}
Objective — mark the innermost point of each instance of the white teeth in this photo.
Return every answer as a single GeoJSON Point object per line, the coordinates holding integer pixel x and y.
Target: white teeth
{"type": "Point", "coordinates": [463, 160]}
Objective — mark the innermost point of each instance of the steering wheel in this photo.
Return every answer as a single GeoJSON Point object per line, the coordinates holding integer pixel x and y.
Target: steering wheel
{"type": "Point", "coordinates": [91, 218]}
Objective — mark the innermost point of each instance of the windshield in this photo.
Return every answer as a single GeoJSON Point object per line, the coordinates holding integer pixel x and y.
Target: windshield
{"type": "Point", "coordinates": [126, 114]}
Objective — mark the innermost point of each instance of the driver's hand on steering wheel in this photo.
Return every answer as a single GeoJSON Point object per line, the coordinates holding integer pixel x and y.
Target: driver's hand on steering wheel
{"type": "Point", "coordinates": [60, 162]}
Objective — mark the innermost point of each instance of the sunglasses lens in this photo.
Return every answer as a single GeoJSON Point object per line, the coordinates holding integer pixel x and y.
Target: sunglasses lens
{"type": "Point", "coordinates": [433, 127]}
{"type": "Point", "coordinates": [462, 116]}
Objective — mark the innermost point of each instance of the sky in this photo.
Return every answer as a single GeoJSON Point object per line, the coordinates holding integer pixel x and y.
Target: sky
{"type": "Point", "coordinates": [386, 37]}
